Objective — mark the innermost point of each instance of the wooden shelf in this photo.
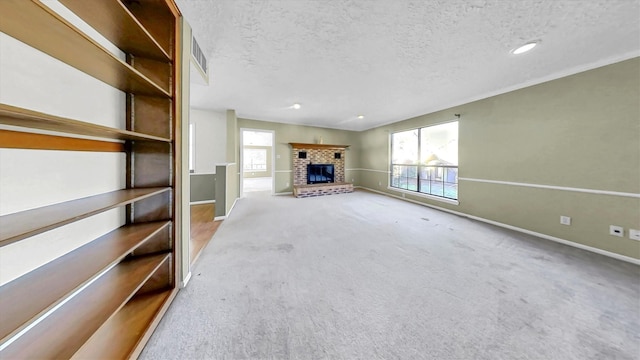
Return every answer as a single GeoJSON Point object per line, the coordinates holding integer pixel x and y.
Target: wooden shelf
{"type": "Point", "coordinates": [38, 26]}
{"type": "Point", "coordinates": [63, 332]}
{"type": "Point", "coordinates": [116, 23]}
{"type": "Point", "coordinates": [24, 140]}
{"type": "Point", "coordinates": [317, 146]}
{"type": "Point", "coordinates": [159, 18]}
{"type": "Point", "coordinates": [17, 226]}
{"type": "Point", "coordinates": [120, 337]}
{"type": "Point", "coordinates": [55, 281]}
{"type": "Point", "coordinates": [12, 115]}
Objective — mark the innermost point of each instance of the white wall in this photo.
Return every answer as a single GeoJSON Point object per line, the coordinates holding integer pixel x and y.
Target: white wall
{"type": "Point", "coordinates": [34, 178]}
{"type": "Point", "coordinates": [210, 139]}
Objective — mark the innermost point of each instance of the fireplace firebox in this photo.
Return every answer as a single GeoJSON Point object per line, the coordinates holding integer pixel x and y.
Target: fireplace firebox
{"type": "Point", "coordinates": [319, 173]}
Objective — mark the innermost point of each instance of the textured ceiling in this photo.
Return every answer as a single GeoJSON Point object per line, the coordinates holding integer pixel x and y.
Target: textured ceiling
{"type": "Point", "coordinates": [390, 60]}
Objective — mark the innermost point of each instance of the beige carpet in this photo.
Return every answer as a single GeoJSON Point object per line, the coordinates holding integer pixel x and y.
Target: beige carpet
{"type": "Point", "coordinates": [364, 276]}
{"type": "Point", "coordinates": [263, 184]}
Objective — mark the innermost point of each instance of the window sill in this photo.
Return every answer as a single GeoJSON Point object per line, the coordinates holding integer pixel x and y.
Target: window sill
{"type": "Point", "coordinates": [426, 196]}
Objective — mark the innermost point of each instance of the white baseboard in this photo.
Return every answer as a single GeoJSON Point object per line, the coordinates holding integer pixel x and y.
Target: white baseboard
{"type": "Point", "coordinates": [283, 193]}
{"type": "Point", "coordinates": [202, 202]}
{"type": "Point", "coordinates": [229, 214]}
{"type": "Point", "coordinates": [515, 228]}
{"type": "Point", "coordinates": [184, 283]}
{"type": "Point", "coordinates": [232, 206]}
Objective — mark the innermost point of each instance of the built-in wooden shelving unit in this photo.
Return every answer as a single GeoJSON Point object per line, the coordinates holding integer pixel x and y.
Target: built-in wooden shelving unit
{"type": "Point", "coordinates": [61, 277]}
{"type": "Point", "coordinates": [124, 328]}
{"type": "Point", "coordinates": [52, 34]}
{"type": "Point", "coordinates": [103, 299]}
{"type": "Point", "coordinates": [27, 223]}
{"type": "Point", "coordinates": [64, 331]}
{"type": "Point", "coordinates": [12, 115]}
{"type": "Point", "coordinates": [24, 140]}
{"type": "Point", "coordinates": [114, 20]}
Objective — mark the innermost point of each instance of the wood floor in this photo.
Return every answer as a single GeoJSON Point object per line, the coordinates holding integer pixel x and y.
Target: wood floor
{"type": "Point", "coordinates": [202, 228]}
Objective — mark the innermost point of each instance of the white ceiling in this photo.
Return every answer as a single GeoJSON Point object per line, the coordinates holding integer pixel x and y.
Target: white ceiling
{"type": "Point", "coordinates": [391, 60]}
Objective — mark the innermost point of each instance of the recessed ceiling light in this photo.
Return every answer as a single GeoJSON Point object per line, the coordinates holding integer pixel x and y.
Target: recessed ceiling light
{"type": "Point", "coordinates": [360, 116]}
{"type": "Point", "coordinates": [296, 106]}
{"type": "Point", "coordinates": [524, 48]}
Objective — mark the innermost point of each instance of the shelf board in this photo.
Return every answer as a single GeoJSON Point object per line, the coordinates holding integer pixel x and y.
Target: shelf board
{"type": "Point", "coordinates": [12, 115]}
{"type": "Point", "coordinates": [17, 226]}
{"type": "Point", "coordinates": [123, 336]}
{"type": "Point", "coordinates": [38, 26]}
{"type": "Point", "coordinates": [64, 331]}
{"type": "Point", "coordinates": [25, 140]}
{"type": "Point", "coordinates": [55, 281]}
{"type": "Point", "coordinates": [116, 23]}
{"type": "Point", "coordinates": [160, 18]}
{"type": "Point", "coordinates": [317, 146]}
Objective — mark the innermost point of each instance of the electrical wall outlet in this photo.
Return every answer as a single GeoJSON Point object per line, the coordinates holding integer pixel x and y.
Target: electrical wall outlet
{"type": "Point", "coordinates": [616, 230]}
{"type": "Point", "coordinates": [565, 220]}
{"type": "Point", "coordinates": [287, 184]}
{"type": "Point", "coordinates": [634, 234]}
{"type": "Point", "coordinates": [379, 183]}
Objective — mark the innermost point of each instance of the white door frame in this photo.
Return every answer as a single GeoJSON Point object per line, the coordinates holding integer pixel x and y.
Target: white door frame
{"type": "Point", "coordinates": [273, 158]}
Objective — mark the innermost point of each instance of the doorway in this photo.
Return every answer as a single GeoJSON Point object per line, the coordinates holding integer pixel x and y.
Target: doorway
{"type": "Point", "coordinates": [256, 162]}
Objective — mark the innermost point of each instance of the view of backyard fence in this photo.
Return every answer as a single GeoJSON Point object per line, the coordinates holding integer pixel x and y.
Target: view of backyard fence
{"type": "Point", "coordinates": [426, 179]}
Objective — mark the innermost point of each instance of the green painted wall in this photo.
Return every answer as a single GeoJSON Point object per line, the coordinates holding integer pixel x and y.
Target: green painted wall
{"type": "Point", "coordinates": [233, 187]}
{"type": "Point", "coordinates": [232, 137]}
{"type": "Point", "coordinates": [232, 176]}
{"type": "Point", "coordinates": [581, 131]}
{"type": "Point", "coordinates": [220, 191]}
{"type": "Point", "coordinates": [203, 187]}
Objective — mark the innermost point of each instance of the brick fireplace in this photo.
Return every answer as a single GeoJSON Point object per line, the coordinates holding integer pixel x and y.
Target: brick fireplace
{"type": "Point", "coordinates": [305, 154]}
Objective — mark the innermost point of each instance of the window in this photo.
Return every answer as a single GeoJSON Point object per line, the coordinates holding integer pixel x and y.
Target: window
{"type": "Point", "coordinates": [255, 160]}
{"type": "Point", "coordinates": [425, 160]}
{"type": "Point", "coordinates": [257, 138]}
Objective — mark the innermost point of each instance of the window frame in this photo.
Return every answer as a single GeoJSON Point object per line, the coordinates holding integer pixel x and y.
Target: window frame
{"type": "Point", "coordinates": [420, 167]}
{"type": "Point", "coordinates": [192, 148]}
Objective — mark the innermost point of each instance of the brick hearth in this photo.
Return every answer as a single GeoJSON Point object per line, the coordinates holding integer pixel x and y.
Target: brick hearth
{"type": "Point", "coordinates": [303, 191]}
